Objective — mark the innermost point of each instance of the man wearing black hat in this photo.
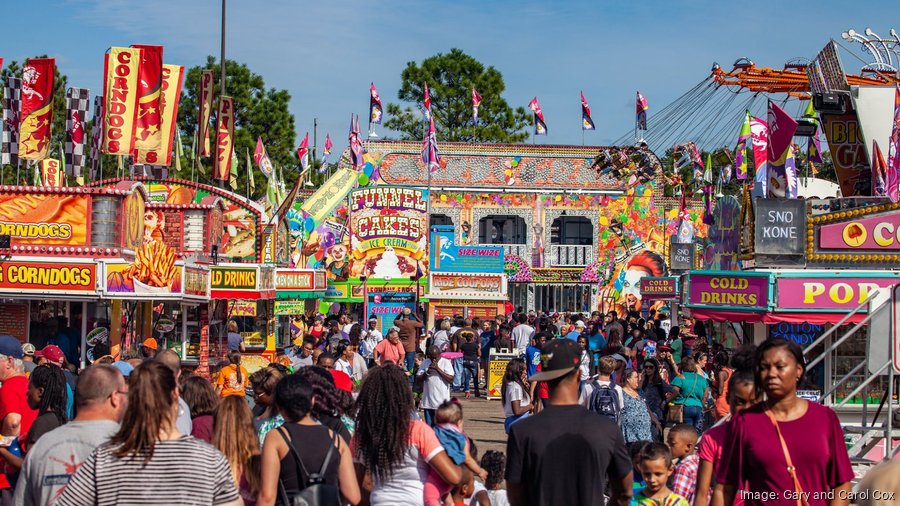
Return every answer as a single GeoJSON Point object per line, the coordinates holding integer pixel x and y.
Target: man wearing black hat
{"type": "Point", "coordinates": [565, 454]}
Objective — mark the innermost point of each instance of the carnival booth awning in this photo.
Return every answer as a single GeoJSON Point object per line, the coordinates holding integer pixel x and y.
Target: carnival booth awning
{"type": "Point", "coordinates": [729, 296]}
{"type": "Point", "coordinates": [299, 283]}
{"type": "Point", "coordinates": [48, 278]}
{"type": "Point", "coordinates": [242, 281]}
{"type": "Point", "coordinates": [825, 296]}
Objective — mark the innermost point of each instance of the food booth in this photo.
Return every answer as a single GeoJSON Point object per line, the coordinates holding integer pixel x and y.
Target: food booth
{"type": "Point", "coordinates": [297, 293]}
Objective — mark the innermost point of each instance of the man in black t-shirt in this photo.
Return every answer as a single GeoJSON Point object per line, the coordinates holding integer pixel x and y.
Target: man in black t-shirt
{"type": "Point", "coordinates": [565, 454]}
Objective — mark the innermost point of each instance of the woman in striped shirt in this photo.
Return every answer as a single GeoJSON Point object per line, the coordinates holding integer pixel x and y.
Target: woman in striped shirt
{"type": "Point", "coordinates": [148, 461]}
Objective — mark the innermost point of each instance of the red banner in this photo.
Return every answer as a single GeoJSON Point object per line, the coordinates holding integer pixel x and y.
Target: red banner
{"type": "Point", "coordinates": [173, 78]}
{"type": "Point", "coordinates": [120, 96]}
{"type": "Point", "coordinates": [148, 131]}
{"type": "Point", "coordinates": [206, 103]}
{"type": "Point", "coordinates": [52, 172]}
{"type": "Point", "coordinates": [37, 108]}
{"type": "Point", "coordinates": [224, 138]}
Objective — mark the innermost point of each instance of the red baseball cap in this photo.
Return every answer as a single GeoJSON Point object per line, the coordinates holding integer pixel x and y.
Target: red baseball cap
{"type": "Point", "coordinates": [342, 380]}
{"type": "Point", "coordinates": [52, 353]}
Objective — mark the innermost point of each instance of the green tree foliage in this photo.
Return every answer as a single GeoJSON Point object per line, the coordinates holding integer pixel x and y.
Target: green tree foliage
{"type": "Point", "coordinates": [58, 128]}
{"type": "Point", "coordinates": [259, 112]}
{"type": "Point", "coordinates": [450, 79]}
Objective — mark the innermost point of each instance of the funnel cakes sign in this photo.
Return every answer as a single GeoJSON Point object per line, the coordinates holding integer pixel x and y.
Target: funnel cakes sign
{"type": "Point", "coordinates": [869, 234]}
{"type": "Point", "coordinates": [388, 232]}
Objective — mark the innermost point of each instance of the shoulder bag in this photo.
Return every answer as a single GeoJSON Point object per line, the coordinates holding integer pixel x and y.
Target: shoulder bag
{"type": "Point", "coordinates": [315, 492]}
{"type": "Point", "coordinates": [675, 415]}
{"type": "Point", "coordinates": [798, 489]}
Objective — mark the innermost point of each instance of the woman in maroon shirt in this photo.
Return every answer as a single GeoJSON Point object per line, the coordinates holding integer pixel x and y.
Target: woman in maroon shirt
{"type": "Point", "coordinates": [754, 455]}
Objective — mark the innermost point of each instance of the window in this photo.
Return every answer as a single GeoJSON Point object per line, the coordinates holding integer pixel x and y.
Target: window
{"type": "Point", "coordinates": [572, 230]}
{"type": "Point", "coordinates": [441, 219]}
{"type": "Point", "coordinates": [502, 230]}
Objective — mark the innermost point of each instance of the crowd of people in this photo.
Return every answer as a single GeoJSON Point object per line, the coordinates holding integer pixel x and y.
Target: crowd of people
{"type": "Point", "coordinates": [597, 409]}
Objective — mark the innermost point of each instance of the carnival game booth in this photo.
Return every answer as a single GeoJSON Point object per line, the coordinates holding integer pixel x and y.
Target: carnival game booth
{"type": "Point", "coordinates": [297, 293]}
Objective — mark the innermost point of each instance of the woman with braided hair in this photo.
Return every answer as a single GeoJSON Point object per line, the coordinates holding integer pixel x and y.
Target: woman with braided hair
{"type": "Point", "coordinates": [47, 394]}
{"type": "Point", "coordinates": [395, 449]}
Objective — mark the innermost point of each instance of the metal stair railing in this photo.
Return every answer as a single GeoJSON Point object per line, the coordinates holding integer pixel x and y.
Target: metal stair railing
{"type": "Point", "coordinates": [871, 436]}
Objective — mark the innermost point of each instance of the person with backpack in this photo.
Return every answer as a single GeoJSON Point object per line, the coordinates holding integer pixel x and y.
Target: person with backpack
{"type": "Point", "coordinates": [304, 459]}
{"type": "Point", "coordinates": [601, 395]}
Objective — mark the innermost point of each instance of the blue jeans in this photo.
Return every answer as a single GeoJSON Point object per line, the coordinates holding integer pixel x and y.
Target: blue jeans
{"type": "Point", "coordinates": [410, 360]}
{"type": "Point", "coordinates": [693, 415]}
{"type": "Point", "coordinates": [470, 371]}
{"type": "Point", "coordinates": [429, 416]}
{"type": "Point", "coordinates": [457, 373]}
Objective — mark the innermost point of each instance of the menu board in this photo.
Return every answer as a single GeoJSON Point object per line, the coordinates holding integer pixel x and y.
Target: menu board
{"type": "Point", "coordinates": [485, 312]}
{"type": "Point", "coordinates": [13, 320]}
{"type": "Point", "coordinates": [447, 311]}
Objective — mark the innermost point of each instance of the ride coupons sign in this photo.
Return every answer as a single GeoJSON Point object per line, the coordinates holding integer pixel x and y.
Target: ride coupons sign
{"type": "Point", "coordinates": [462, 285]}
{"type": "Point", "coordinates": [388, 232]}
{"type": "Point", "coordinates": [736, 292]}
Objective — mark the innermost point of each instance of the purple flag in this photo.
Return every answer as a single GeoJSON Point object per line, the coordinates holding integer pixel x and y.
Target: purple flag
{"type": "Point", "coordinates": [781, 130]}
{"type": "Point", "coordinates": [430, 155]}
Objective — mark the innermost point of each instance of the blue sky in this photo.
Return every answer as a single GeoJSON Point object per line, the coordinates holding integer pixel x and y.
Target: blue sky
{"type": "Point", "coordinates": [326, 53]}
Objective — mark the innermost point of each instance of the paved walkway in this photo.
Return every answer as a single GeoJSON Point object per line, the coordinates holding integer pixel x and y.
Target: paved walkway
{"type": "Point", "coordinates": [484, 423]}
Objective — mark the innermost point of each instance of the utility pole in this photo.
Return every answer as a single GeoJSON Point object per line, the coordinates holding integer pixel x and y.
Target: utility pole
{"type": "Point", "coordinates": [222, 80]}
{"type": "Point", "coordinates": [315, 145]}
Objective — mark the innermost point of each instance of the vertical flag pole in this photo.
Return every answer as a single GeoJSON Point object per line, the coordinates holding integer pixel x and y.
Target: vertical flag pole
{"type": "Point", "coordinates": [18, 167]}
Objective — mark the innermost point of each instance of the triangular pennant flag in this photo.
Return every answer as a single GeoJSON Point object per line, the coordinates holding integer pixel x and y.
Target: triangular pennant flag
{"type": "Point", "coordinates": [250, 172]}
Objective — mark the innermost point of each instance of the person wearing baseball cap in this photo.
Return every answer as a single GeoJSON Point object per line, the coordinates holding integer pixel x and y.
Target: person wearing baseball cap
{"type": "Point", "coordinates": [28, 357]}
{"type": "Point", "coordinates": [53, 355]}
{"type": "Point", "coordinates": [566, 454]}
{"type": "Point", "coordinates": [149, 347]}
{"type": "Point", "coordinates": [16, 417]}
{"type": "Point", "coordinates": [577, 331]}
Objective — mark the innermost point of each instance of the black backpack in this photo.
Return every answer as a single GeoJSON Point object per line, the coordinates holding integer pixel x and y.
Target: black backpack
{"type": "Point", "coordinates": [605, 401]}
{"type": "Point", "coordinates": [316, 492]}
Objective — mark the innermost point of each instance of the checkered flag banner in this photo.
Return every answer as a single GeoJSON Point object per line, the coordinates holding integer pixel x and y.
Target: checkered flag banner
{"type": "Point", "coordinates": [152, 171]}
{"type": "Point", "coordinates": [12, 104]}
{"type": "Point", "coordinates": [96, 137]}
{"type": "Point", "coordinates": [78, 101]}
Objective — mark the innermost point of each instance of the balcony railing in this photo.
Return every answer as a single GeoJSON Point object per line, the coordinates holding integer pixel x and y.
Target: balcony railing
{"type": "Point", "coordinates": [520, 250]}
{"type": "Point", "coordinates": [565, 255]}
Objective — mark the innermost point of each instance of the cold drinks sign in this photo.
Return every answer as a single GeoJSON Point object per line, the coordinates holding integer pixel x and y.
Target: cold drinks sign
{"type": "Point", "coordinates": [729, 291]}
{"type": "Point", "coordinates": [659, 288]}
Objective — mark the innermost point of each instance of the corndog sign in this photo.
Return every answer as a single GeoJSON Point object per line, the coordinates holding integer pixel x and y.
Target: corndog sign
{"type": "Point", "coordinates": [120, 100]}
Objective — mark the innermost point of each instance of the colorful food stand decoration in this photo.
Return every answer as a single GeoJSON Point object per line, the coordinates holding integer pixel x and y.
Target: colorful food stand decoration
{"type": "Point", "coordinates": [826, 296]}
{"type": "Point", "coordinates": [862, 236]}
{"type": "Point", "coordinates": [729, 296]}
{"type": "Point", "coordinates": [388, 232]}
{"type": "Point", "coordinates": [87, 244]}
